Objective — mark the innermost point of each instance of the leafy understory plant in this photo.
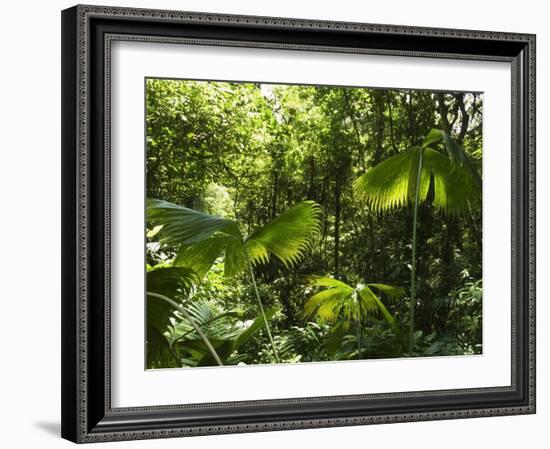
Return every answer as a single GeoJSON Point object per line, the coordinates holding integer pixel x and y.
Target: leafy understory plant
{"type": "Point", "coordinates": [165, 286]}
{"type": "Point", "coordinates": [202, 238]}
{"type": "Point", "coordinates": [339, 300]}
{"type": "Point", "coordinates": [223, 328]}
{"type": "Point", "coordinates": [191, 321]}
{"type": "Point", "coordinates": [407, 177]}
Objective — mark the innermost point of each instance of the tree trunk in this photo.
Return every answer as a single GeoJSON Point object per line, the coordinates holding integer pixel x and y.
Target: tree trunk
{"type": "Point", "coordinates": [274, 193]}
{"type": "Point", "coordinates": [337, 212]}
{"type": "Point", "coordinates": [312, 192]}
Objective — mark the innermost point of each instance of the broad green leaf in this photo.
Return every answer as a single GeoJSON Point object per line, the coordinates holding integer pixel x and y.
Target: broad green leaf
{"type": "Point", "coordinates": [256, 325]}
{"type": "Point", "coordinates": [184, 226]}
{"type": "Point", "coordinates": [455, 190]}
{"type": "Point", "coordinates": [202, 238]}
{"type": "Point", "coordinates": [390, 290]}
{"type": "Point", "coordinates": [201, 255]}
{"type": "Point", "coordinates": [339, 300]}
{"type": "Point", "coordinates": [373, 303]}
{"type": "Point", "coordinates": [326, 303]}
{"type": "Point", "coordinates": [392, 183]}
{"type": "Point", "coordinates": [288, 236]}
{"type": "Point", "coordinates": [458, 156]}
{"type": "Point", "coordinates": [434, 136]}
{"type": "Point", "coordinates": [389, 185]}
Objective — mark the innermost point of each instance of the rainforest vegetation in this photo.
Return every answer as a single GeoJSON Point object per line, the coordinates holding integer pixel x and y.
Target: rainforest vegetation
{"type": "Point", "coordinates": [295, 223]}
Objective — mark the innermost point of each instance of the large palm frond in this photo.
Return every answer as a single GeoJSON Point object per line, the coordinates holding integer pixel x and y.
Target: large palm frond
{"type": "Point", "coordinates": [407, 177]}
{"type": "Point", "coordinates": [287, 236]}
{"type": "Point", "coordinates": [340, 300]}
{"type": "Point", "coordinates": [202, 255]}
{"type": "Point", "coordinates": [392, 183]}
{"type": "Point", "coordinates": [202, 238]}
{"type": "Point", "coordinates": [185, 226]}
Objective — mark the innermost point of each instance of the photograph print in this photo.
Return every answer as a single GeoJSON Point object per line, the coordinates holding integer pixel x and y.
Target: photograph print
{"type": "Point", "coordinates": [310, 223]}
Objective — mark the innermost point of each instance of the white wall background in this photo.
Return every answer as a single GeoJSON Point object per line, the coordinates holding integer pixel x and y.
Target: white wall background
{"type": "Point", "coordinates": [30, 222]}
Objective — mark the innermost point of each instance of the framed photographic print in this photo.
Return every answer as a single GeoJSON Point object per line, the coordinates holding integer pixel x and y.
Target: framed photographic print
{"type": "Point", "coordinates": [281, 223]}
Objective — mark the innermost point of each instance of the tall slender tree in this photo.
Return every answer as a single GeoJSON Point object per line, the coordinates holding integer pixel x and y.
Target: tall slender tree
{"type": "Point", "coordinates": [407, 177]}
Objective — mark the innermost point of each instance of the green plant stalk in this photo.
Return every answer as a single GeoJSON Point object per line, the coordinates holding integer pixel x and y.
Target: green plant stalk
{"type": "Point", "coordinates": [358, 327]}
{"type": "Point", "coordinates": [413, 261]}
{"type": "Point", "coordinates": [192, 322]}
{"type": "Point", "coordinates": [260, 303]}
{"type": "Point", "coordinates": [182, 336]}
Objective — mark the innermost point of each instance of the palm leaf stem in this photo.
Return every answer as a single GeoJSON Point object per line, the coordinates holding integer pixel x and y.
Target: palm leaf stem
{"type": "Point", "coordinates": [192, 322]}
{"type": "Point", "coordinates": [260, 302]}
{"type": "Point", "coordinates": [175, 357]}
{"type": "Point", "coordinates": [204, 323]}
{"type": "Point", "coordinates": [359, 336]}
{"type": "Point", "coordinates": [413, 262]}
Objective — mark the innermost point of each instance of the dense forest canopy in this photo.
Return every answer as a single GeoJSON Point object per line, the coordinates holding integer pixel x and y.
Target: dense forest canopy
{"type": "Point", "coordinates": [280, 223]}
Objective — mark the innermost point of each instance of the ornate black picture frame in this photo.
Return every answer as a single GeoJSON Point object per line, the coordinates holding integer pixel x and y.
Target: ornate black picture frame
{"type": "Point", "coordinates": [87, 34]}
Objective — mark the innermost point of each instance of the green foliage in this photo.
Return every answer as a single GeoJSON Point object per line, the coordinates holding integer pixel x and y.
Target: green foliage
{"type": "Point", "coordinates": [288, 236]}
{"type": "Point", "coordinates": [408, 177]}
{"type": "Point", "coordinates": [341, 301]}
{"type": "Point", "coordinates": [202, 238]}
{"type": "Point", "coordinates": [392, 184]}
{"type": "Point", "coordinates": [167, 281]}
{"type": "Point", "coordinates": [259, 186]}
{"type": "Point", "coordinates": [223, 329]}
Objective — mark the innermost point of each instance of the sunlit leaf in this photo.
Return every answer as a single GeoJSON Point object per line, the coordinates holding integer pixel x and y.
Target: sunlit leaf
{"type": "Point", "coordinates": [392, 183]}
{"type": "Point", "coordinates": [390, 290]}
{"type": "Point", "coordinates": [372, 303]}
{"type": "Point", "coordinates": [339, 300]}
{"type": "Point", "coordinates": [288, 236]}
{"type": "Point", "coordinates": [202, 238]}
{"type": "Point", "coordinates": [184, 226]}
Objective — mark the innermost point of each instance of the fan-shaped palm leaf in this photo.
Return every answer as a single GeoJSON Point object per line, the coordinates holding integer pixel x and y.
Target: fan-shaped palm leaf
{"type": "Point", "coordinates": [371, 302]}
{"type": "Point", "coordinates": [392, 183]}
{"type": "Point", "coordinates": [287, 236]}
{"type": "Point", "coordinates": [184, 226]}
{"type": "Point", "coordinates": [340, 300]}
{"type": "Point", "coordinates": [202, 238]}
{"type": "Point", "coordinates": [406, 179]}
{"type": "Point", "coordinates": [388, 185]}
